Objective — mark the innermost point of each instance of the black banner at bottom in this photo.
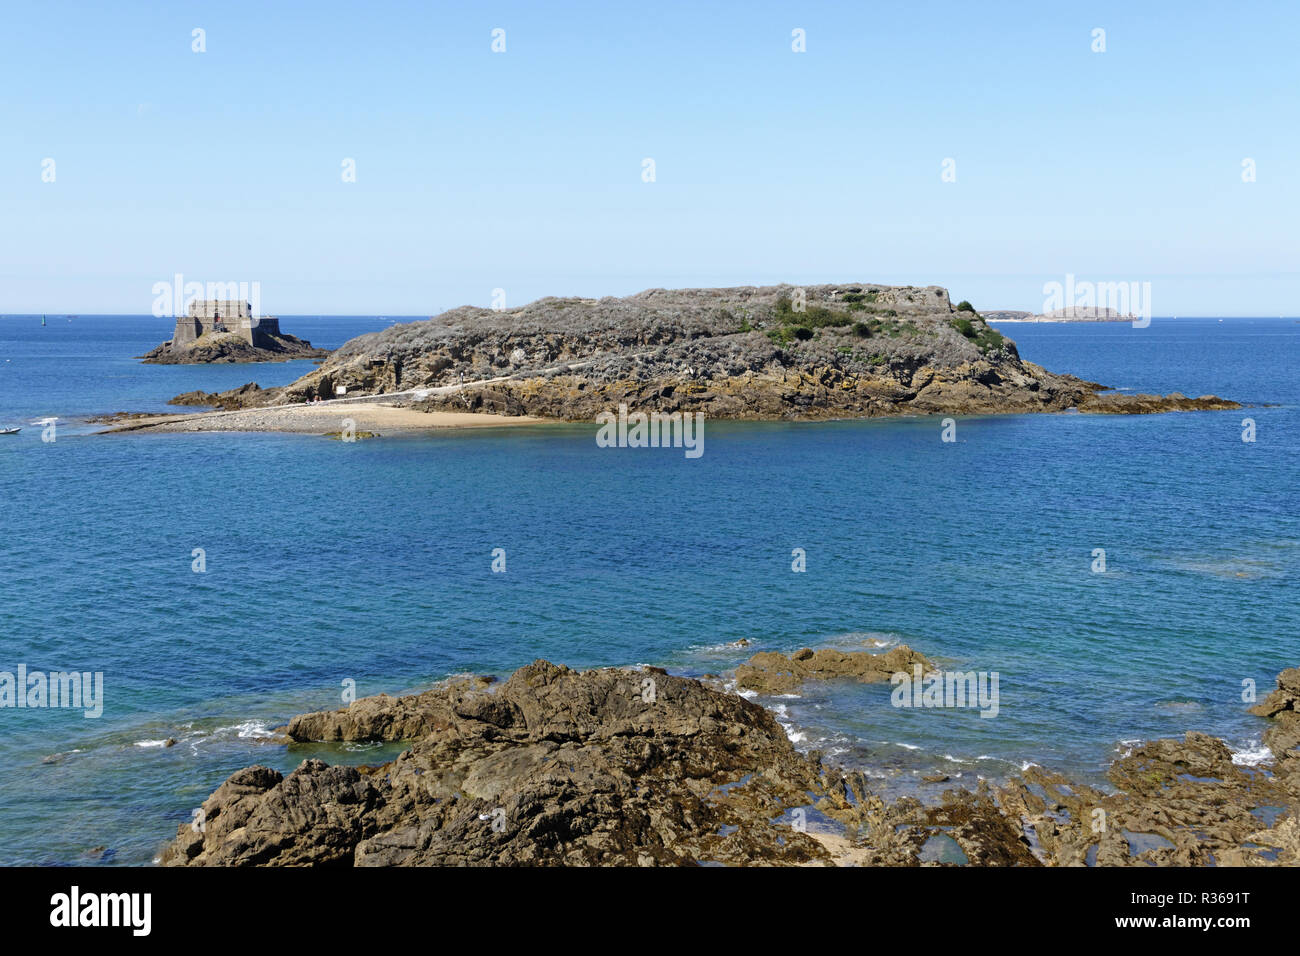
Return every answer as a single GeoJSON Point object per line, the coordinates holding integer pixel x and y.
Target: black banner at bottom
{"type": "Point", "coordinates": [184, 907]}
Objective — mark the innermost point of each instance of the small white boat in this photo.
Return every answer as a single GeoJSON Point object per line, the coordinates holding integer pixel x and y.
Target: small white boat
{"type": "Point", "coordinates": [10, 431]}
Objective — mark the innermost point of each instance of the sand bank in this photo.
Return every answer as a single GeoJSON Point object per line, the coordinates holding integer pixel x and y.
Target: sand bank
{"type": "Point", "coordinates": [323, 418]}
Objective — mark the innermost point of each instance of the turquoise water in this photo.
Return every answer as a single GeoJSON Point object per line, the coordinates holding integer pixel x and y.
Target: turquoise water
{"type": "Point", "coordinates": [371, 562]}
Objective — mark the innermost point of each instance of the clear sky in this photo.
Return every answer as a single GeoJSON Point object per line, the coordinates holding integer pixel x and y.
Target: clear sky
{"type": "Point", "coordinates": [523, 170]}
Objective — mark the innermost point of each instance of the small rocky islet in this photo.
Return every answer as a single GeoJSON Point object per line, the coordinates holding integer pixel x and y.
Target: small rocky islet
{"type": "Point", "coordinates": [215, 331]}
{"type": "Point", "coordinates": [638, 767]}
{"type": "Point", "coordinates": [784, 352]}
{"type": "Point", "coordinates": [223, 348]}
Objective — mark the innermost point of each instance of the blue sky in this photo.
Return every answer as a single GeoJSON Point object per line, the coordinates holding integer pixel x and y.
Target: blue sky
{"type": "Point", "coordinates": [522, 170]}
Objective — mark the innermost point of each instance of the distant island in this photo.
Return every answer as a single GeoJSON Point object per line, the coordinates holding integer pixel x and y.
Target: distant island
{"type": "Point", "coordinates": [225, 330]}
{"type": "Point", "coordinates": [1074, 313]}
{"type": "Point", "coordinates": [850, 350]}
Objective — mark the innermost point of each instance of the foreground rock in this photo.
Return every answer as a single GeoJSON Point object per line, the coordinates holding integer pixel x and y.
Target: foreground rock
{"type": "Point", "coordinates": [553, 767]}
{"type": "Point", "coordinates": [776, 352]}
{"type": "Point", "coordinates": [771, 673]}
{"type": "Point", "coordinates": [619, 767]}
{"type": "Point", "coordinates": [227, 347]}
{"type": "Point", "coordinates": [1179, 803]}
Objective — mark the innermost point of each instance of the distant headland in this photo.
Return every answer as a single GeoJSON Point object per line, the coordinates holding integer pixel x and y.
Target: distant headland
{"type": "Point", "coordinates": [1073, 313]}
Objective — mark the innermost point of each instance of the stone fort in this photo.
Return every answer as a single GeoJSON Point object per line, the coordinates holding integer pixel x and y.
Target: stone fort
{"type": "Point", "coordinates": [224, 315]}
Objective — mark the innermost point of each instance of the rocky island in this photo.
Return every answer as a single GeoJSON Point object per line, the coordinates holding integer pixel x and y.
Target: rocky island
{"type": "Point", "coordinates": [637, 767]}
{"type": "Point", "coordinates": [219, 330]}
{"type": "Point", "coordinates": [850, 350]}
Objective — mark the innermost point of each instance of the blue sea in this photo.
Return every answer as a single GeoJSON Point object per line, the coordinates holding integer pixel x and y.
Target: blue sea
{"type": "Point", "coordinates": [329, 562]}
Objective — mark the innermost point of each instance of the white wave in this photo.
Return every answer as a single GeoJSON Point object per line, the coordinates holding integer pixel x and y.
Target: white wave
{"type": "Point", "coordinates": [255, 729]}
{"type": "Point", "coordinates": [1252, 755]}
{"type": "Point", "coordinates": [874, 640]}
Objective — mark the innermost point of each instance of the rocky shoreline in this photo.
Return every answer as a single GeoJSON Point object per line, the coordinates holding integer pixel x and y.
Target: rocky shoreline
{"type": "Point", "coordinates": [855, 350]}
{"type": "Point", "coordinates": [638, 767]}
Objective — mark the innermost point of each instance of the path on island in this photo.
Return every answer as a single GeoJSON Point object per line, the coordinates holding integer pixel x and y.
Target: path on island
{"type": "Point", "coordinates": [425, 391]}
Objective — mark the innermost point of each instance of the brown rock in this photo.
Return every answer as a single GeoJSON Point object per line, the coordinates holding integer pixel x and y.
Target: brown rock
{"type": "Point", "coordinates": [643, 768]}
{"type": "Point", "coordinates": [771, 673]}
{"type": "Point", "coordinates": [553, 766]}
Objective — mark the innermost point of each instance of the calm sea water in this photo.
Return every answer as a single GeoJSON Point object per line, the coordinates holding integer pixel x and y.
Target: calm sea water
{"type": "Point", "coordinates": [371, 562]}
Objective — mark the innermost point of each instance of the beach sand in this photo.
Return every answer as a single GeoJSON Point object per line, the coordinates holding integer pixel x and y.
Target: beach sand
{"type": "Point", "coordinates": [323, 418]}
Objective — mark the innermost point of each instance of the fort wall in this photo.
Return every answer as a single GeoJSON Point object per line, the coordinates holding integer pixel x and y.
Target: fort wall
{"type": "Point", "coordinates": [227, 315]}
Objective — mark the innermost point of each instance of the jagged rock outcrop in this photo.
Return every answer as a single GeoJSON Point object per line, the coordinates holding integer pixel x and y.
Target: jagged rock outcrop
{"type": "Point", "coordinates": [1283, 705]}
{"type": "Point", "coordinates": [637, 767]}
{"type": "Point", "coordinates": [775, 352]}
{"type": "Point", "coordinates": [771, 673]}
{"type": "Point", "coordinates": [1179, 803]}
{"type": "Point", "coordinates": [400, 718]}
{"type": "Point", "coordinates": [553, 766]}
{"type": "Point", "coordinates": [226, 347]}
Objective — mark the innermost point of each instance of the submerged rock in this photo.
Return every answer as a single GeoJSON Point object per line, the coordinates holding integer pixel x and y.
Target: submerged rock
{"type": "Point", "coordinates": [1118, 403]}
{"type": "Point", "coordinates": [771, 673]}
